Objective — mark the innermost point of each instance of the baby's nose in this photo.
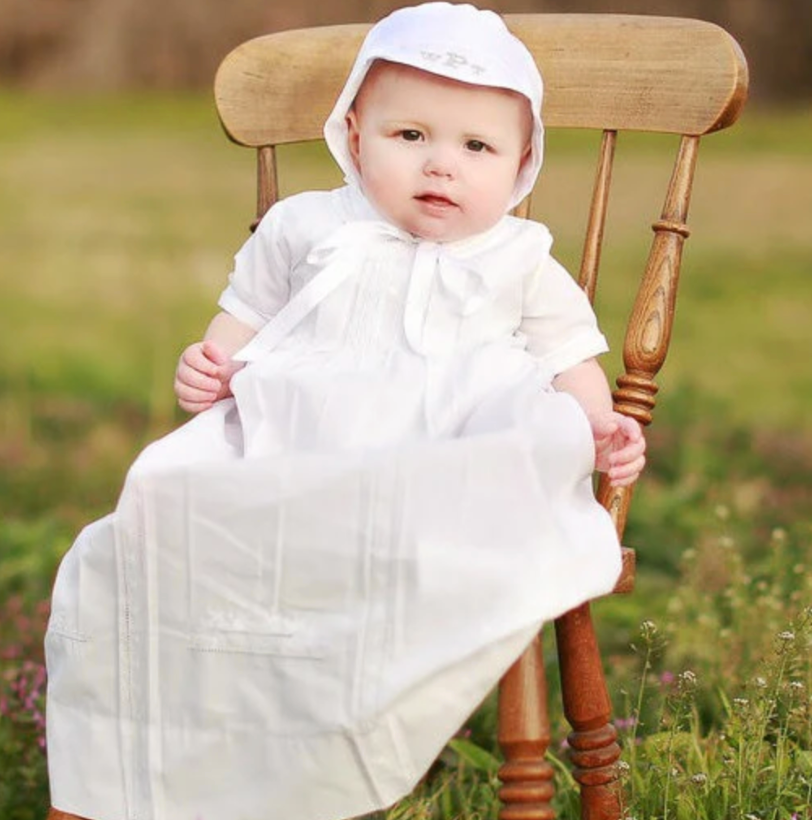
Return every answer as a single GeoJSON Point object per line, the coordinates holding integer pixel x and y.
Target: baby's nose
{"type": "Point", "coordinates": [440, 163]}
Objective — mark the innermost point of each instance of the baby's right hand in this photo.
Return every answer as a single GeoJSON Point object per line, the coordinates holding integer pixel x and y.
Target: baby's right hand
{"type": "Point", "coordinates": [202, 376]}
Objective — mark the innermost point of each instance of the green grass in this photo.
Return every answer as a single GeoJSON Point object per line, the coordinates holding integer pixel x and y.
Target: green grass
{"type": "Point", "coordinates": [118, 220]}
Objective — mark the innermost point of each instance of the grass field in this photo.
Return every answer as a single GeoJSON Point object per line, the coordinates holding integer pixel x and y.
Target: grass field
{"type": "Point", "coordinates": [118, 220]}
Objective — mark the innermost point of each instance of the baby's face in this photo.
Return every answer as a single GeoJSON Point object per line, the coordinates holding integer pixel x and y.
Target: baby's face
{"type": "Point", "coordinates": [437, 157]}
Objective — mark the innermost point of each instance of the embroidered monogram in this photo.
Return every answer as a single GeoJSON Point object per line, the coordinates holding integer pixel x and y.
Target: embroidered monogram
{"type": "Point", "coordinates": [450, 59]}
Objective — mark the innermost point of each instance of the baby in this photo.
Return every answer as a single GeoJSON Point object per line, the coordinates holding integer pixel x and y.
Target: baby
{"type": "Point", "coordinates": [385, 489]}
{"type": "Point", "coordinates": [439, 158]}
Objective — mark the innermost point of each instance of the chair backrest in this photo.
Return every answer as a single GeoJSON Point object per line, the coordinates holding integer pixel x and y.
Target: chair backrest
{"type": "Point", "coordinates": [604, 72]}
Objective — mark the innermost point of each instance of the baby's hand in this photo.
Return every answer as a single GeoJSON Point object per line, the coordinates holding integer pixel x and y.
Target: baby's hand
{"type": "Point", "coordinates": [203, 376]}
{"type": "Point", "coordinates": [619, 447]}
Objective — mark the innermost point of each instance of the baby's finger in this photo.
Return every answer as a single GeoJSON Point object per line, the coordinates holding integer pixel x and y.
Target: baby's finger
{"type": "Point", "coordinates": [624, 474]}
{"type": "Point", "coordinates": [214, 353]}
{"type": "Point", "coordinates": [195, 358]}
{"type": "Point", "coordinates": [197, 388]}
{"type": "Point", "coordinates": [627, 453]}
{"type": "Point", "coordinates": [198, 382]}
{"type": "Point", "coordinates": [188, 392]}
{"type": "Point", "coordinates": [631, 436]}
{"type": "Point", "coordinates": [628, 465]}
{"type": "Point", "coordinates": [194, 407]}
{"type": "Point", "coordinates": [604, 426]}
{"type": "Point", "coordinates": [195, 402]}
{"type": "Point", "coordinates": [629, 427]}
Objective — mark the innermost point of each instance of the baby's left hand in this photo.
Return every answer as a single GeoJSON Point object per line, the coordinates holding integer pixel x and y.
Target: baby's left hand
{"type": "Point", "coordinates": [619, 447]}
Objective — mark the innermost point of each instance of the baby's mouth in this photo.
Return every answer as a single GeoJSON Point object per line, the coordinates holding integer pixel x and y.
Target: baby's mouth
{"type": "Point", "coordinates": [436, 200]}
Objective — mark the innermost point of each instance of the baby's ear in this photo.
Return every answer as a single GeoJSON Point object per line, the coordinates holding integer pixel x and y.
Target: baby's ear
{"type": "Point", "coordinates": [353, 135]}
{"type": "Point", "coordinates": [528, 150]}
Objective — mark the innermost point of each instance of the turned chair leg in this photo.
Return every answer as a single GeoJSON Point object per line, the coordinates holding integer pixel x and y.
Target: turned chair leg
{"type": "Point", "coordinates": [594, 751]}
{"type": "Point", "coordinates": [524, 736]}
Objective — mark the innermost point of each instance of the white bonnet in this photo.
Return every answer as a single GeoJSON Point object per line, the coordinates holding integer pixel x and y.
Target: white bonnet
{"type": "Point", "coordinates": [456, 41]}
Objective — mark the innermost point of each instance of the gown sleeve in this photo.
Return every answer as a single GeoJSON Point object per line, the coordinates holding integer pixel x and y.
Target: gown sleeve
{"type": "Point", "coordinates": [259, 284]}
{"type": "Point", "coordinates": [558, 321]}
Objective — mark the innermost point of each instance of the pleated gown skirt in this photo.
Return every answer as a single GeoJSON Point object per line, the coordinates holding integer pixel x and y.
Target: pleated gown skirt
{"type": "Point", "coordinates": [306, 590]}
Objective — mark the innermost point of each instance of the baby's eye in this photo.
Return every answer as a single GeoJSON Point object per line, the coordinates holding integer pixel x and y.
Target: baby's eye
{"type": "Point", "coordinates": [477, 146]}
{"type": "Point", "coordinates": [410, 135]}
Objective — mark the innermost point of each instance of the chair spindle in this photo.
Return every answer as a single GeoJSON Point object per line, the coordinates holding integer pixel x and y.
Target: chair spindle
{"type": "Point", "coordinates": [267, 182]}
{"type": "Point", "coordinates": [652, 317]}
{"type": "Point", "coordinates": [524, 736]}
{"type": "Point", "coordinates": [649, 328]}
{"type": "Point", "coordinates": [593, 243]}
{"type": "Point", "coordinates": [594, 750]}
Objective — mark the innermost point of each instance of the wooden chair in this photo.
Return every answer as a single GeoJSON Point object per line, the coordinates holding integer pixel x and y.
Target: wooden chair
{"type": "Point", "coordinates": [603, 72]}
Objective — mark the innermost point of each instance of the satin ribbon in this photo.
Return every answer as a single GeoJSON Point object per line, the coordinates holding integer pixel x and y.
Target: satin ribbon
{"type": "Point", "coordinates": [461, 283]}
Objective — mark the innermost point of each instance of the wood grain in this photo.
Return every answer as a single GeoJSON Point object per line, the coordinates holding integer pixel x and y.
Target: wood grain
{"type": "Point", "coordinates": [600, 71]}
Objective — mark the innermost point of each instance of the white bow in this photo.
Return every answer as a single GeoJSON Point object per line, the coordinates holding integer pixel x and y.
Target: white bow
{"type": "Point", "coordinates": [462, 284]}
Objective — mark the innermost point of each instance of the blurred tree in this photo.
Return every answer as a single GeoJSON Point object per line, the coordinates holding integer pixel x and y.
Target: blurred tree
{"type": "Point", "coordinates": [95, 44]}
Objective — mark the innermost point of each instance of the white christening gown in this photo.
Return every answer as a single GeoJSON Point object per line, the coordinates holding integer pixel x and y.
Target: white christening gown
{"type": "Point", "coordinates": [305, 590]}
